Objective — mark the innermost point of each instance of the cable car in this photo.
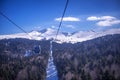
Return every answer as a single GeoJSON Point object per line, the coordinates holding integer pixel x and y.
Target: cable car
{"type": "Point", "coordinates": [37, 49]}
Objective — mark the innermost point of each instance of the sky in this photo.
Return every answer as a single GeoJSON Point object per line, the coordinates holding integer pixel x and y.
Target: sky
{"type": "Point", "coordinates": [81, 15]}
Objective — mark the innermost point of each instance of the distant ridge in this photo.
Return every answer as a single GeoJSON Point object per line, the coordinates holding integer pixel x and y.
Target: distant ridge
{"type": "Point", "coordinates": [49, 34]}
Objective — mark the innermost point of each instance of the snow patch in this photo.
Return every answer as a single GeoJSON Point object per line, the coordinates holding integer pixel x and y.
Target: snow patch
{"type": "Point", "coordinates": [62, 37]}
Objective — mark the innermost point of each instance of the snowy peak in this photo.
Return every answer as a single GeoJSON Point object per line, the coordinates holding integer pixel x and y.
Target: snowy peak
{"type": "Point", "coordinates": [49, 33]}
{"type": "Point", "coordinates": [47, 30]}
{"type": "Point", "coordinates": [34, 33]}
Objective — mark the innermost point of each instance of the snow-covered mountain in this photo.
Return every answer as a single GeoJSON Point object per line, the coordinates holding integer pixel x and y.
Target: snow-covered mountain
{"type": "Point", "coordinates": [49, 33]}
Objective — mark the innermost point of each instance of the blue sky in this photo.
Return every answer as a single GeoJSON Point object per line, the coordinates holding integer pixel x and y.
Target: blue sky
{"type": "Point", "coordinates": [80, 15]}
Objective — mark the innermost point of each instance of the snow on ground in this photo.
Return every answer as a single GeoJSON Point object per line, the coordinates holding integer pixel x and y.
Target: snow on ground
{"type": "Point", "coordinates": [50, 33]}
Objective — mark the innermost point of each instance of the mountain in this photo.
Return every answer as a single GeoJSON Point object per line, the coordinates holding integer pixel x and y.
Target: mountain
{"type": "Point", "coordinates": [96, 59]}
{"type": "Point", "coordinates": [49, 33]}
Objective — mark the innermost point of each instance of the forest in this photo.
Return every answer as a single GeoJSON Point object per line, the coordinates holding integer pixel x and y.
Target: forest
{"type": "Point", "coordinates": [96, 59]}
{"type": "Point", "coordinates": [15, 66]}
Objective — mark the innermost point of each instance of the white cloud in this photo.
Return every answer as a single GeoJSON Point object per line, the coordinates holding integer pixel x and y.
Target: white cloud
{"type": "Point", "coordinates": [37, 28]}
{"type": "Point", "coordinates": [107, 18]}
{"type": "Point", "coordinates": [53, 26]}
{"type": "Point", "coordinates": [108, 22]}
{"type": "Point", "coordinates": [70, 26]}
{"type": "Point", "coordinates": [104, 20]}
{"type": "Point", "coordinates": [95, 18]}
{"type": "Point", "coordinates": [68, 19]}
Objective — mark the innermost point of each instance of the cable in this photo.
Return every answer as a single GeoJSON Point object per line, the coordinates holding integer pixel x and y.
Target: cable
{"type": "Point", "coordinates": [26, 32]}
{"type": "Point", "coordinates": [14, 23]}
{"type": "Point", "coordinates": [61, 19]}
{"type": "Point", "coordinates": [58, 30]}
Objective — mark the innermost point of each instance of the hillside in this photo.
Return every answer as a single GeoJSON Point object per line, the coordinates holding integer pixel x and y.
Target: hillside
{"type": "Point", "coordinates": [14, 65]}
{"type": "Point", "coordinates": [97, 59]}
